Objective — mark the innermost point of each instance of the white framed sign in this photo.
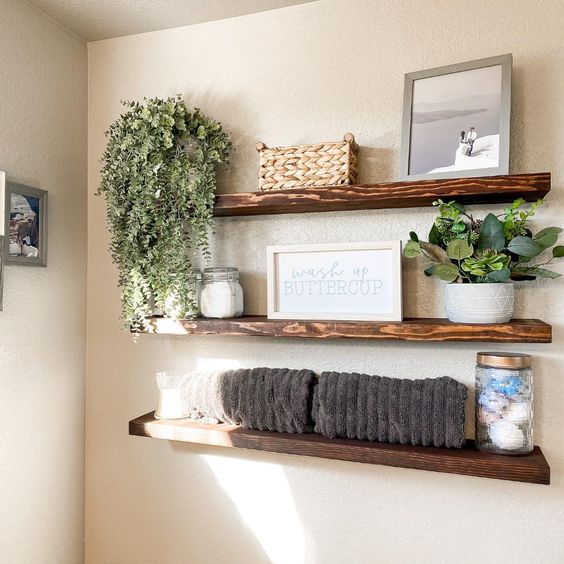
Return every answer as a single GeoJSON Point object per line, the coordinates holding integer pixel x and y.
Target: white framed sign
{"type": "Point", "coordinates": [344, 281]}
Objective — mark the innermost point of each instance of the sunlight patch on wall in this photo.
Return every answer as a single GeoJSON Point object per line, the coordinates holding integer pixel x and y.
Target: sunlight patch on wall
{"type": "Point", "coordinates": [261, 493]}
{"type": "Point", "coordinates": [211, 364]}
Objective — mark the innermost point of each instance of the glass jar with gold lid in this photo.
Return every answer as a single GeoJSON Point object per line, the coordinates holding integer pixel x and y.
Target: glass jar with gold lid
{"type": "Point", "coordinates": [504, 403]}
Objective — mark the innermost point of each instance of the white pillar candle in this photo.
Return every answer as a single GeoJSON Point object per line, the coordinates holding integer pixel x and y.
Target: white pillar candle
{"type": "Point", "coordinates": [170, 404]}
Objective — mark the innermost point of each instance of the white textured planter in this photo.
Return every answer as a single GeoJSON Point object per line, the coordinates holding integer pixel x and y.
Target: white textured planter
{"type": "Point", "coordinates": [480, 303]}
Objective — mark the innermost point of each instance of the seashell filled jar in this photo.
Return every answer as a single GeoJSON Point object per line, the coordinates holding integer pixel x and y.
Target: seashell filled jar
{"type": "Point", "coordinates": [504, 403]}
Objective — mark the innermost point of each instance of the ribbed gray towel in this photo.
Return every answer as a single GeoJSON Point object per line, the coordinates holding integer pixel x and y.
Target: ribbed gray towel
{"type": "Point", "coordinates": [418, 412]}
{"type": "Point", "coordinates": [267, 399]}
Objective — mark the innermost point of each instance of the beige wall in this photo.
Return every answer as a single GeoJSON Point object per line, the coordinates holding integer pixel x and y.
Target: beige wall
{"type": "Point", "coordinates": [43, 99]}
{"type": "Point", "coordinates": [302, 74]}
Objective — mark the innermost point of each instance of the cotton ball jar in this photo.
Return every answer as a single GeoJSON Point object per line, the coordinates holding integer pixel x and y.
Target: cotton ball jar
{"type": "Point", "coordinates": [222, 295]}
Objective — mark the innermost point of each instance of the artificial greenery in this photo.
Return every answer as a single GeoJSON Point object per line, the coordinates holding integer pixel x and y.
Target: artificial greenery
{"type": "Point", "coordinates": [497, 249]}
{"type": "Point", "coordinates": [159, 179]}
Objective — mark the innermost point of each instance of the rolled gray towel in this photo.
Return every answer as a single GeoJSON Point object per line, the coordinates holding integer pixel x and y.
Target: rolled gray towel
{"type": "Point", "coordinates": [267, 399]}
{"type": "Point", "coordinates": [418, 412]}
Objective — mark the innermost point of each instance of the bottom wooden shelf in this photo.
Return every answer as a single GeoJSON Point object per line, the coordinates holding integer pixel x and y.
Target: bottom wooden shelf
{"type": "Point", "coordinates": [469, 461]}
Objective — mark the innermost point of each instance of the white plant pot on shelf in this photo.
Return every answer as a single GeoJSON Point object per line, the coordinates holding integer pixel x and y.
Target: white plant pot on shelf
{"type": "Point", "coordinates": [480, 303]}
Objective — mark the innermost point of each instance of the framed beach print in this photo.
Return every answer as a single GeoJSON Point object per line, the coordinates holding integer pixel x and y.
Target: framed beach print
{"type": "Point", "coordinates": [2, 203]}
{"type": "Point", "coordinates": [25, 225]}
{"type": "Point", "coordinates": [2, 232]}
{"type": "Point", "coordinates": [456, 120]}
{"type": "Point", "coordinates": [2, 249]}
{"type": "Point", "coordinates": [348, 281]}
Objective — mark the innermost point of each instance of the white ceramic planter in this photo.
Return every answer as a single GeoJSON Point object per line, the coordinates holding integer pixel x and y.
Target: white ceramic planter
{"type": "Point", "coordinates": [480, 303]}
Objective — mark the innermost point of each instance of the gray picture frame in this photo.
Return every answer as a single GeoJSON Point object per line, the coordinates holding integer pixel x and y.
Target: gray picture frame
{"type": "Point", "coordinates": [2, 251]}
{"type": "Point", "coordinates": [506, 62]}
{"type": "Point", "coordinates": [41, 195]}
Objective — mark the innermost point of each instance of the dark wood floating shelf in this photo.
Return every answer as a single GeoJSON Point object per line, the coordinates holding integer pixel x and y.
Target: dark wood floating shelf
{"type": "Point", "coordinates": [516, 331]}
{"type": "Point", "coordinates": [469, 461]}
{"type": "Point", "coordinates": [411, 194]}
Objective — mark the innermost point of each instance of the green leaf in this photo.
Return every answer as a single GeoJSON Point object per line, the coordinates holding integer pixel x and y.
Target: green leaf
{"type": "Point", "coordinates": [459, 249]}
{"type": "Point", "coordinates": [413, 236]}
{"type": "Point", "coordinates": [536, 271]}
{"type": "Point", "coordinates": [491, 234]}
{"type": "Point", "coordinates": [498, 265]}
{"type": "Point", "coordinates": [412, 249]}
{"type": "Point", "coordinates": [502, 275]}
{"type": "Point", "coordinates": [548, 236]}
{"type": "Point", "coordinates": [525, 247]}
{"type": "Point", "coordinates": [446, 272]}
{"type": "Point", "coordinates": [459, 228]}
{"type": "Point", "coordinates": [558, 252]}
{"type": "Point", "coordinates": [434, 253]}
{"type": "Point", "coordinates": [434, 235]}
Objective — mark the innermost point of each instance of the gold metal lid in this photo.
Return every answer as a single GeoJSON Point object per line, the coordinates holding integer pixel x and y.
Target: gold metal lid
{"type": "Point", "coordinates": [504, 360]}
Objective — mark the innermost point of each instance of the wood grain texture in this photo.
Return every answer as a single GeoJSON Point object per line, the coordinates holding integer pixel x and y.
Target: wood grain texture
{"type": "Point", "coordinates": [482, 190]}
{"type": "Point", "coordinates": [516, 331]}
{"type": "Point", "coordinates": [468, 461]}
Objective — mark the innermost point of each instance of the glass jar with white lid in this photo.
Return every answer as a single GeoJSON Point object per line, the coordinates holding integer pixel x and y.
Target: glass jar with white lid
{"type": "Point", "coordinates": [222, 295]}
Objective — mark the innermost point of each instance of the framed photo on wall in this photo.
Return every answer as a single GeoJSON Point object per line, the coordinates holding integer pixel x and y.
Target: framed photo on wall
{"type": "Point", "coordinates": [347, 281]}
{"type": "Point", "coordinates": [2, 203]}
{"type": "Point", "coordinates": [2, 232]}
{"type": "Point", "coordinates": [456, 120]}
{"type": "Point", "coordinates": [25, 225]}
{"type": "Point", "coordinates": [2, 249]}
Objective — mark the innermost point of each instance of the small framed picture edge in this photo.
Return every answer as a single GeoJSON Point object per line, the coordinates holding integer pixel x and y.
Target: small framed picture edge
{"type": "Point", "coordinates": [42, 196]}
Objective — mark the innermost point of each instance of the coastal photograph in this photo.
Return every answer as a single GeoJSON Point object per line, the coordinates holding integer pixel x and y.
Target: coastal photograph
{"type": "Point", "coordinates": [455, 121]}
{"type": "Point", "coordinates": [24, 225]}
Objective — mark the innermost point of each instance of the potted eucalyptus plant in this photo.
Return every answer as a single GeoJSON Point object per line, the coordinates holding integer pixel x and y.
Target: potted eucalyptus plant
{"type": "Point", "coordinates": [159, 178]}
{"type": "Point", "coordinates": [480, 259]}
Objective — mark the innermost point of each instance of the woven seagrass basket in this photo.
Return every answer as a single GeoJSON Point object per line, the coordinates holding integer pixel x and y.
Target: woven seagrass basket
{"type": "Point", "coordinates": [324, 164]}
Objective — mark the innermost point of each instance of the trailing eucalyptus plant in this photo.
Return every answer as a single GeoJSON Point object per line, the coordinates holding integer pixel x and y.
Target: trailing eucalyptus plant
{"type": "Point", "coordinates": [496, 249]}
{"type": "Point", "coordinates": [159, 180]}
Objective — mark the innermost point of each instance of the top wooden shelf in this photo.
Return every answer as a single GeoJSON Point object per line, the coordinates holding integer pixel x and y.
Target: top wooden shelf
{"type": "Point", "coordinates": [411, 194]}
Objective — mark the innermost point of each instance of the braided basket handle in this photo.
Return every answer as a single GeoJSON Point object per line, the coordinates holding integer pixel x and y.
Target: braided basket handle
{"type": "Point", "coordinates": [349, 137]}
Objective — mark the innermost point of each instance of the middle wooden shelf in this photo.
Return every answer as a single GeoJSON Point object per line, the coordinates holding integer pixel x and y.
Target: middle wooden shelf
{"type": "Point", "coordinates": [411, 329]}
